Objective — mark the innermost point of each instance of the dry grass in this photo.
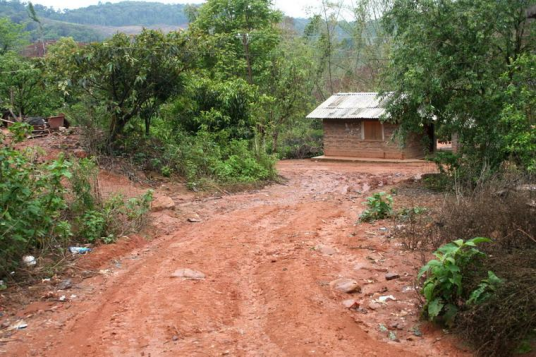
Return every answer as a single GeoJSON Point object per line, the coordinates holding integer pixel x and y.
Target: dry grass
{"type": "Point", "coordinates": [501, 210]}
{"type": "Point", "coordinates": [504, 210]}
{"type": "Point", "coordinates": [498, 326]}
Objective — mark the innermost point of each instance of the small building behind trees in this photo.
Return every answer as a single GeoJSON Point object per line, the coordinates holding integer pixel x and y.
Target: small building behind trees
{"type": "Point", "coordinates": [352, 128]}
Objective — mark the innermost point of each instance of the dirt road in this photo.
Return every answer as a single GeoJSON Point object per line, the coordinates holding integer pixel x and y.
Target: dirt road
{"type": "Point", "coordinates": [268, 258]}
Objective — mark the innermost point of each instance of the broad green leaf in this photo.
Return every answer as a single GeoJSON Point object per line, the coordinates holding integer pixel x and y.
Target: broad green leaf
{"type": "Point", "coordinates": [428, 291]}
{"type": "Point", "coordinates": [494, 279]}
{"type": "Point", "coordinates": [479, 240]}
{"type": "Point", "coordinates": [434, 308]}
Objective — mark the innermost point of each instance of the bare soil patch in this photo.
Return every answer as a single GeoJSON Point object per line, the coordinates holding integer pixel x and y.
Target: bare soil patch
{"type": "Point", "coordinates": [268, 257]}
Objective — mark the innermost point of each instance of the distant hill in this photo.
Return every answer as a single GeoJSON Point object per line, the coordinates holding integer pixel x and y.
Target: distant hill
{"type": "Point", "coordinates": [95, 23]}
{"type": "Point", "coordinates": [127, 13]}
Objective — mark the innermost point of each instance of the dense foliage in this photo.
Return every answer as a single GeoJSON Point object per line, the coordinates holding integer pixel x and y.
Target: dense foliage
{"type": "Point", "coordinates": [39, 213]}
{"type": "Point", "coordinates": [24, 86]}
{"type": "Point", "coordinates": [129, 77]}
{"type": "Point", "coordinates": [453, 68]}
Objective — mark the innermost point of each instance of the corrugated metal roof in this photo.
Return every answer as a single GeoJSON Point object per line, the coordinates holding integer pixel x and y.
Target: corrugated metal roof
{"type": "Point", "coordinates": [351, 106]}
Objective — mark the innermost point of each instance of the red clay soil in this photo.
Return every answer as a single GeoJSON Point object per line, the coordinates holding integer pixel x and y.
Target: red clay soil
{"type": "Point", "coordinates": [269, 257]}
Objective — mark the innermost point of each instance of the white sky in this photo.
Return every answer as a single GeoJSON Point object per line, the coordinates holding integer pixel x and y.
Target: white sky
{"type": "Point", "coordinates": [294, 8]}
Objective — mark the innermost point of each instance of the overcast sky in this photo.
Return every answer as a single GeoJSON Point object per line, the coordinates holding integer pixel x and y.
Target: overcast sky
{"type": "Point", "coordinates": [294, 8]}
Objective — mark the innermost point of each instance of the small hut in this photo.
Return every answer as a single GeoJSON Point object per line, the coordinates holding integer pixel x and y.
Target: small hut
{"type": "Point", "coordinates": [352, 128]}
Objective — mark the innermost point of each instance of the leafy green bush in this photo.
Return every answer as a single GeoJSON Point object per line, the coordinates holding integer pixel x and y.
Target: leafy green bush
{"type": "Point", "coordinates": [20, 131]}
{"type": "Point", "coordinates": [204, 159]}
{"type": "Point", "coordinates": [32, 202]}
{"type": "Point", "coordinates": [44, 205]}
{"type": "Point", "coordinates": [443, 288]}
{"type": "Point", "coordinates": [84, 186]}
{"type": "Point", "coordinates": [485, 289]}
{"type": "Point", "coordinates": [92, 226]}
{"type": "Point", "coordinates": [380, 206]}
{"type": "Point", "coordinates": [114, 218]}
{"type": "Point", "coordinates": [243, 166]}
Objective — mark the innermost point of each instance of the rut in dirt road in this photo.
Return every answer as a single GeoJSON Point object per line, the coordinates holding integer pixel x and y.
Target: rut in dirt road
{"type": "Point", "coordinates": [266, 289]}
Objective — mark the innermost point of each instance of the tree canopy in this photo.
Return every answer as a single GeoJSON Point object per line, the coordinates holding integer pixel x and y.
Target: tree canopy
{"type": "Point", "coordinates": [451, 66]}
{"type": "Point", "coordinates": [131, 77]}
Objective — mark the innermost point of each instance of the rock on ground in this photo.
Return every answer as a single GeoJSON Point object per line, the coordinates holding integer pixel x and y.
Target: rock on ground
{"type": "Point", "coordinates": [162, 203]}
{"type": "Point", "coordinates": [351, 304]}
{"type": "Point", "coordinates": [391, 276]}
{"type": "Point", "coordinates": [345, 285]}
{"type": "Point", "coordinates": [188, 274]}
{"type": "Point", "coordinates": [326, 250]}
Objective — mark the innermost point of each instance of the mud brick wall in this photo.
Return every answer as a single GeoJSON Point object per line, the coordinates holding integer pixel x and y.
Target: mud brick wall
{"type": "Point", "coordinates": [343, 137]}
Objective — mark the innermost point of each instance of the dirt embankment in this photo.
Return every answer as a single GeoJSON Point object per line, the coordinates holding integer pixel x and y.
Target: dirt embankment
{"type": "Point", "coordinates": [268, 258]}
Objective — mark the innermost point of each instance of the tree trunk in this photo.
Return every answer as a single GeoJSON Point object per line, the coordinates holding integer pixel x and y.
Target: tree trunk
{"type": "Point", "coordinates": [147, 126]}
{"type": "Point", "coordinates": [245, 41]}
{"type": "Point", "coordinates": [116, 126]}
{"type": "Point", "coordinates": [275, 138]}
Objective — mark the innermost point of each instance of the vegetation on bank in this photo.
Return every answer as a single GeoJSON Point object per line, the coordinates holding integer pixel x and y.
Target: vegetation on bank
{"type": "Point", "coordinates": [481, 289]}
{"type": "Point", "coordinates": [47, 206]}
{"type": "Point", "coordinates": [452, 68]}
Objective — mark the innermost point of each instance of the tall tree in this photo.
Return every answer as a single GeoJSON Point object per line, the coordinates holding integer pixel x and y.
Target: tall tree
{"type": "Point", "coordinates": [447, 63]}
{"type": "Point", "coordinates": [12, 36]}
{"type": "Point", "coordinates": [33, 16]}
{"type": "Point", "coordinates": [22, 87]}
{"type": "Point", "coordinates": [235, 37]}
{"type": "Point", "coordinates": [350, 45]}
{"type": "Point", "coordinates": [131, 76]}
{"type": "Point", "coordinates": [288, 87]}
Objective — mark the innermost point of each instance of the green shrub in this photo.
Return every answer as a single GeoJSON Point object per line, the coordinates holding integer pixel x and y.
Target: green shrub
{"type": "Point", "coordinates": [380, 206]}
{"type": "Point", "coordinates": [301, 139]}
{"type": "Point", "coordinates": [243, 166]}
{"type": "Point", "coordinates": [20, 131]}
{"type": "Point", "coordinates": [485, 290]}
{"type": "Point", "coordinates": [409, 213]}
{"type": "Point", "coordinates": [203, 159]}
{"type": "Point", "coordinates": [92, 225]}
{"type": "Point", "coordinates": [443, 288]}
{"type": "Point", "coordinates": [136, 209]}
{"type": "Point", "coordinates": [41, 213]}
{"type": "Point", "coordinates": [32, 203]}
{"type": "Point", "coordinates": [115, 217]}
{"type": "Point", "coordinates": [84, 185]}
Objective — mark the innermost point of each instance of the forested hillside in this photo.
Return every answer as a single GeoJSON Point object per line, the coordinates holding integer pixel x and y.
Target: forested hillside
{"type": "Point", "coordinates": [94, 23]}
{"type": "Point", "coordinates": [121, 14]}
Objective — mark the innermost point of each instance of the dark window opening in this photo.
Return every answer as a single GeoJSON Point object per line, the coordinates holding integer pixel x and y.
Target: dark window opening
{"type": "Point", "coordinates": [373, 130]}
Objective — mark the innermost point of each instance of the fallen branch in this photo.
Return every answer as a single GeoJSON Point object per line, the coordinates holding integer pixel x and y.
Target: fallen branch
{"type": "Point", "coordinates": [7, 121]}
{"type": "Point", "coordinates": [528, 235]}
